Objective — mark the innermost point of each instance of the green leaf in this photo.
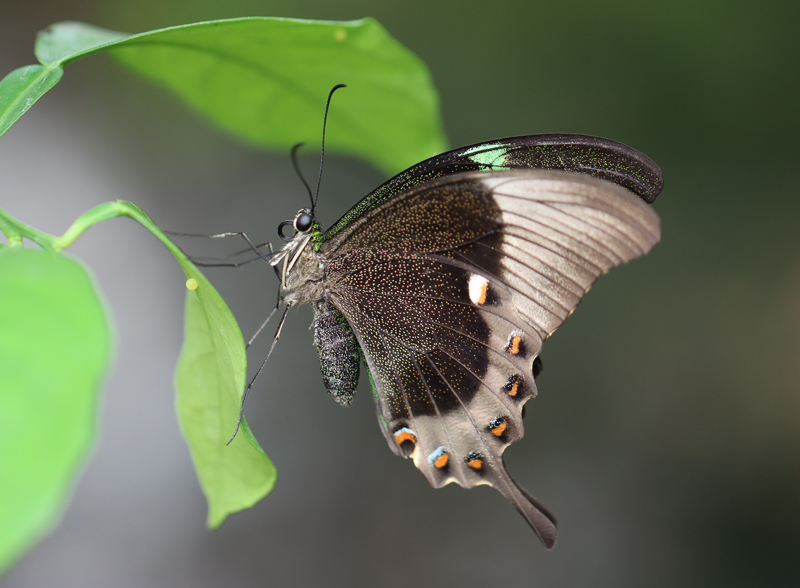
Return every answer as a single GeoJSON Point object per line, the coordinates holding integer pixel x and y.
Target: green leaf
{"type": "Point", "coordinates": [55, 47]}
{"type": "Point", "coordinates": [265, 80]}
{"type": "Point", "coordinates": [54, 354]}
{"type": "Point", "coordinates": [210, 380]}
{"type": "Point", "coordinates": [67, 41]}
{"type": "Point", "coordinates": [20, 89]}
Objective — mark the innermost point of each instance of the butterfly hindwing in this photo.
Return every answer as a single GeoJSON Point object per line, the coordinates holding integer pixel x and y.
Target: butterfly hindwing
{"type": "Point", "coordinates": [451, 287]}
{"type": "Point", "coordinates": [451, 395]}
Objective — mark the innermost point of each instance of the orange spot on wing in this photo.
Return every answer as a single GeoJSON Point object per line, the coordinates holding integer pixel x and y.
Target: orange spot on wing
{"type": "Point", "coordinates": [441, 461]}
{"type": "Point", "coordinates": [511, 387]}
{"type": "Point", "coordinates": [498, 430]}
{"type": "Point", "coordinates": [475, 463]}
{"type": "Point", "coordinates": [482, 296]}
{"type": "Point", "coordinates": [513, 346]}
{"type": "Point", "coordinates": [404, 435]}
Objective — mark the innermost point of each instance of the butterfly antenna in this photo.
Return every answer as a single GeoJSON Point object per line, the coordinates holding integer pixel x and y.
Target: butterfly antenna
{"type": "Point", "coordinates": [322, 155]}
{"type": "Point", "coordinates": [299, 173]}
{"type": "Point", "coordinates": [253, 381]}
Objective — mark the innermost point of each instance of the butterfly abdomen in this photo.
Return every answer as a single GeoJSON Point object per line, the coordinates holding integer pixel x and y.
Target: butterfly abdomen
{"type": "Point", "coordinates": [339, 353]}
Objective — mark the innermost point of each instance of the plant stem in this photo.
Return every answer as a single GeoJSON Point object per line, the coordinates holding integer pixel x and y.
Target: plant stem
{"type": "Point", "coordinates": [15, 230]}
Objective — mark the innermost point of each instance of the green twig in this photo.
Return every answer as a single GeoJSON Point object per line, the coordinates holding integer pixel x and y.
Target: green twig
{"type": "Point", "coordinates": [15, 230]}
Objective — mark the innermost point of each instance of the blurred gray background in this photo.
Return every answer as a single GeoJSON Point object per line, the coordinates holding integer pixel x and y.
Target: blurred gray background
{"type": "Point", "coordinates": [666, 435]}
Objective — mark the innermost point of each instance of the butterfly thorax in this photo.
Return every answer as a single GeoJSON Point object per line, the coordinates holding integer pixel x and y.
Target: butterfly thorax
{"type": "Point", "coordinates": [302, 271]}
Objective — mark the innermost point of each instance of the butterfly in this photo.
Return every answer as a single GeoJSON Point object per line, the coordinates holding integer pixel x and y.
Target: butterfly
{"type": "Point", "coordinates": [446, 280]}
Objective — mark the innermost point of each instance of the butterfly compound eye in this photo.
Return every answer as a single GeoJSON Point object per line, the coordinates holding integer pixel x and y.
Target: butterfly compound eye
{"type": "Point", "coordinates": [303, 222]}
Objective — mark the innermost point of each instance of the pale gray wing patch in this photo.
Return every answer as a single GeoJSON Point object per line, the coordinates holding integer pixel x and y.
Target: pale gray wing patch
{"type": "Point", "coordinates": [564, 276]}
{"type": "Point", "coordinates": [561, 232]}
{"type": "Point", "coordinates": [613, 222]}
{"type": "Point", "coordinates": [566, 257]}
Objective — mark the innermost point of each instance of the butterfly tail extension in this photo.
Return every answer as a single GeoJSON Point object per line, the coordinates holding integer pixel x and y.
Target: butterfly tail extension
{"type": "Point", "coordinates": [539, 518]}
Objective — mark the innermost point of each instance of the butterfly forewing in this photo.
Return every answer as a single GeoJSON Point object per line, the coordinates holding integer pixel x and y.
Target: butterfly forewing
{"type": "Point", "coordinates": [592, 156]}
{"type": "Point", "coordinates": [451, 287]}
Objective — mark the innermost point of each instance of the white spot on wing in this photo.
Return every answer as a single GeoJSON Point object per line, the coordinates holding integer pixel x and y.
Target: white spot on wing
{"type": "Point", "coordinates": [478, 286]}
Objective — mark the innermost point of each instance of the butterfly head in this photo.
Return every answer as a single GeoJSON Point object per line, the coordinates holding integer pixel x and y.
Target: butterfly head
{"type": "Point", "coordinates": [303, 223]}
{"type": "Point", "coordinates": [291, 263]}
